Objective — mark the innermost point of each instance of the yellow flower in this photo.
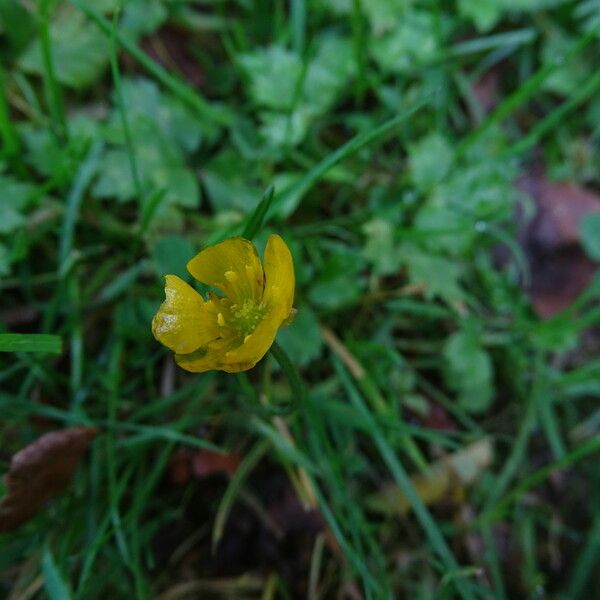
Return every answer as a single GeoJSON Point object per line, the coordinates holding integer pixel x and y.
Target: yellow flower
{"type": "Point", "coordinates": [231, 332]}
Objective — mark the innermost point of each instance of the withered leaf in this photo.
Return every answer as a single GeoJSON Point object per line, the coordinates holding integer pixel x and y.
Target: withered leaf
{"type": "Point", "coordinates": [40, 471]}
{"type": "Point", "coordinates": [560, 270]}
{"type": "Point", "coordinates": [200, 464]}
{"type": "Point", "coordinates": [446, 478]}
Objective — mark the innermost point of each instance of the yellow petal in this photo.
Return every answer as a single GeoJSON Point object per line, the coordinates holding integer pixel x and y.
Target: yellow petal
{"type": "Point", "coordinates": [198, 362]}
{"type": "Point", "coordinates": [212, 356]}
{"type": "Point", "coordinates": [232, 266]}
{"type": "Point", "coordinates": [280, 281]}
{"type": "Point", "coordinates": [255, 345]}
{"type": "Point", "coordinates": [183, 322]}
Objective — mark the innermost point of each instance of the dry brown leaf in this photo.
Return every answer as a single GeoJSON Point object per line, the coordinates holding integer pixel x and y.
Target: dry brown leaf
{"type": "Point", "coordinates": [40, 471]}
{"type": "Point", "coordinates": [200, 464]}
{"type": "Point", "coordinates": [446, 478]}
{"type": "Point", "coordinates": [560, 270]}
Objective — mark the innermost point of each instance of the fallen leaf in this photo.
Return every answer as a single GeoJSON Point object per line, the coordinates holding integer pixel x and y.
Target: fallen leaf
{"type": "Point", "coordinates": [40, 471]}
{"type": "Point", "coordinates": [560, 269]}
{"type": "Point", "coordinates": [446, 478]}
{"type": "Point", "coordinates": [200, 464]}
{"type": "Point", "coordinates": [205, 463]}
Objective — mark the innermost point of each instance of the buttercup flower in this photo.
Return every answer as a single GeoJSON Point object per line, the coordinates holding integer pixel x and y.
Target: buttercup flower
{"type": "Point", "coordinates": [231, 332]}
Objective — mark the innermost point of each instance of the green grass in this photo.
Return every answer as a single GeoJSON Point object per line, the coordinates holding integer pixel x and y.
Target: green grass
{"type": "Point", "coordinates": [136, 133]}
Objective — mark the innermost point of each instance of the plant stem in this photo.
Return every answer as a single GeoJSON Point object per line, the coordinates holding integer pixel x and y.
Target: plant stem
{"type": "Point", "coordinates": [288, 367]}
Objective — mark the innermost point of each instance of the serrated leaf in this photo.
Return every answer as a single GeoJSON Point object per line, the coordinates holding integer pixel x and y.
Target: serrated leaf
{"type": "Point", "coordinates": [148, 110]}
{"type": "Point", "coordinates": [337, 284]}
{"type": "Point", "coordinates": [469, 370]}
{"type": "Point", "coordinates": [142, 17]}
{"type": "Point", "coordinates": [439, 276]}
{"type": "Point", "coordinates": [430, 160]}
{"type": "Point", "coordinates": [226, 179]}
{"type": "Point", "coordinates": [170, 254]}
{"type": "Point", "coordinates": [157, 170]}
{"type": "Point", "coordinates": [274, 73]}
{"type": "Point", "coordinates": [295, 94]}
{"type": "Point", "coordinates": [162, 132]}
{"type": "Point", "coordinates": [379, 247]}
{"type": "Point", "coordinates": [412, 41]}
{"type": "Point", "coordinates": [80, 51]}
{"type": "Point", "coordinates": [302, 338]}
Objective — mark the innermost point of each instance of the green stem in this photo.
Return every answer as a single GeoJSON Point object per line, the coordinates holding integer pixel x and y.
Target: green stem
{"type": "Point", "coordinates": [288, 367]}
{"type": "Point", "coordinates": [52, 88]}
{"type": "Point", "coordinates": [7, 129]}
{"type": "Point", "coordinates": [116, 75]}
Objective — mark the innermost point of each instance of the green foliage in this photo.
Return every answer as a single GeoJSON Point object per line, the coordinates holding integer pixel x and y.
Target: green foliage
{"type": "Point", "coordinates": [430, 161]}
{"type": "Point", "coordinates": [469, 370]}
{"type": "Point", "coordinates": [397, 136]}
{"type": "Point", "coordinates": [412, 42]}
{"type": "Point", "coordinates": [590, 235]}
{"type": "Point", "coordinates": [302, 338]}
{"type": "Point", "coordinates": [170, 254]}
{"type": "Point", "coordinates": [23, 342]}
{"type": "Point", "coordinates": [17, 197]}
{"type": "Point", "coordinates": [162, 132]}
{"type": "Point", "coordinates": [79, 51]}
{"type": "Point", "coordinates": [295, 93]}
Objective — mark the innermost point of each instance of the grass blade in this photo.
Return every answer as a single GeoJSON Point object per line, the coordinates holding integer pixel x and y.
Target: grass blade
{"type": "Point", "coordinates": [256, 219]}
{"type": "Point", "coordinates": [82, 180]}
{"type": "Point", "coordinates": [53, 580]}
{"type": "Point", "coordinates": [30, 342]}
{"type": "Point", "coordinates": [402, 478]}
{"type": "Point", "coordinates": [250, 461]}
{"type": "Point", "coordinates": [352, 146]}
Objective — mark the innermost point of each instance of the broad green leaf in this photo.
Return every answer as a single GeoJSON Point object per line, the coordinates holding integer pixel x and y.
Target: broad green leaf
{"type": "Point", "coordinates": [337, 284]}
{"type": "Point", "coordinates": [170, 254]}
{"type": "Point", "coordinates": [439, 275]}
{"type": "Point", "coordinates": [294, 93]}
{"type": "Point", "coordinates": [484, 14]}
{"type": "Point", "coordinates": [302, 338]}
{"type": "Point", "coordinates": [4, 261]}
{"type": "Point", "coordinates": [80, 51]}
{"type": "Point", "coordinates": [469, 370]}
{"type": "Point", "coordinates": [567, 78]}
{"type": "Point", "coordinates": [590, 235]}
{"type": "Point", "coordinates": [147, 109]}
{"type": "Point", "coordinates": [430, 160]}
{"type": "Point", "coordinates": [142, 17]}
{"type": "Point", "coordinates": [228, 182]}
{"type": "Point", "coordinates": [282, 130]}
{"type": "Point", "coordinates": [380, 249]}
{"type": "Point", "coordinates": [133, 318]}
{"type": "Point", "coordinates": [412, 41]}
{"type": "Point", "coordinates": [274, 74]}
{"type": "Point", "coordinates": [159, 169]}
{"type": "Point", "coordinates": [15, 197]}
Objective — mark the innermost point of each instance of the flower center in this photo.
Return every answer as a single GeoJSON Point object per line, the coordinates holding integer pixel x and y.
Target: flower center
{"type": "Point", "coordinates": [246, 316]}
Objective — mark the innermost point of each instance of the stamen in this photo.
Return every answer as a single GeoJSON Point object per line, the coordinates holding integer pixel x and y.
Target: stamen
{"type": "Point", "coordinates": [231, 276]}
{"type": "Point", "coordinates": [245, 318]}
{"type": "Point", "coordinates": [221, 319]}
